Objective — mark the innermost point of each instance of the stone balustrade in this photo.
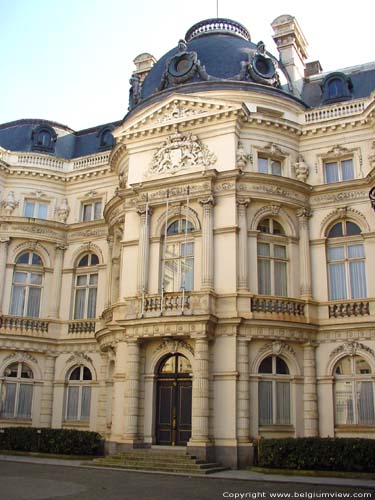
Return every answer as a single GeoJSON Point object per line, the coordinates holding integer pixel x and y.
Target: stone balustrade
{"type": "Point", "coordinates": [171, 302]}
{"type": "Point", "coordinates": [17, 324]}
{"type": "Point", "coordinates": [348, 309]}
{"type": "Point", "coordinates": [273, 305]}
{"type": "Point", "coordinates": [335, 111]}
{"type": "Point", "coordinates": [81, 326]}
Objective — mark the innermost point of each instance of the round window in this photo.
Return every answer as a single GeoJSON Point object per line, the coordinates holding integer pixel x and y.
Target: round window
{"type": "Point", "coordinates": [180, 65]}
{"type": "Point", "coordinates": [263, 66]}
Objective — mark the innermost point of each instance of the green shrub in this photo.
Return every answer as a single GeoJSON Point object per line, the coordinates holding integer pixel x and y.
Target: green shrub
{"type": "Point", "coordinates": [45, 440]}
{"type": "Point", "coordinates": [336, 454]}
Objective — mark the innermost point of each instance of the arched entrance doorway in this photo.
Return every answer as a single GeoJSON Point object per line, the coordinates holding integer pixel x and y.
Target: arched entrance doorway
{"type": "Point", "coordinates": [174, 391]}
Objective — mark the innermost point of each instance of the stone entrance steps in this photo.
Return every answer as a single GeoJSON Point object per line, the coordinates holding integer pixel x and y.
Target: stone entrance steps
{"type": "Point", "coordinates": [159, 461]}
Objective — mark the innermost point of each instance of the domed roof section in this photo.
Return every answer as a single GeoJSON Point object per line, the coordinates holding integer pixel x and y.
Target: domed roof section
{"type": "Point", "coordinates": [214, 50]}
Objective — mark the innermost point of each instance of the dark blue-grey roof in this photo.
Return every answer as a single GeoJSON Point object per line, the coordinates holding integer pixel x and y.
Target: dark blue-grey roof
{"type": "Point", "coordinates": [17, 136]}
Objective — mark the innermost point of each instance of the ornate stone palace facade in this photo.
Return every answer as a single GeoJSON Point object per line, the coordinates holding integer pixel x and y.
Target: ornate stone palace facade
{"type": "Point", "coordinates": [198, 273]}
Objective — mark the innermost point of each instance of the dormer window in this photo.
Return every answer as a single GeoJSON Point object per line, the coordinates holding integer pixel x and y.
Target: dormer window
{"type": "Point", "coordinates": [43, 139]}
{"type": "Point", "coordinates": [106, 139]}
{"type": "Point", "coordinates": [336, 87]}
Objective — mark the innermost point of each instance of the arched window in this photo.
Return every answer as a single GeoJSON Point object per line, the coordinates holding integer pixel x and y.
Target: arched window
{"type": "Point", "coordinates": [27, 285]}
{"type": "Point", "coordinates": [272, 259]}
{"type": "Point", "coordinates": [346, 262]}
{"type": "Point", "coordinates": [78, 398]}
{"type": "Point", "coordinates": [274, 392]}
{"type": "Point", "coordinates": [86, 286]}
{"type": "Point", "coordinates": [43, 139]}
{"type": "Point", "coordinates": [106, 139]}
{"type": "Point", "coordinates": [178, 257]}
{"type": "Point", "coordinates": [17, 391]}
{"type": "Point", "coordinates": [335, 88]}
{"type": "Point", "coordinates": [354, 392]}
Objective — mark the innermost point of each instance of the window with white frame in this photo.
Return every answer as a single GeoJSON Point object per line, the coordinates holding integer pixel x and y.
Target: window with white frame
{"type": "Point", "coordinates": [91, 210]}
{"type": "Point", "coordinates": [267, 165]}
{"type": "Point", "coordinates": [354, 392]}
{"type": "Point", "coordinates": [274, 392]}
{"type": "Point", "coordinates": [346, 262]}
{"type": "Point", "coordinates": [178, 257]}
{"type": "Point", "coordinates": [17, 392]}
{"type": "Point", "coordinates": [86, 287]}
{"type": "Point", "coordinates": [27, 285]}
{"type": "Point", "coordinates": [78, 397]}
{"type": "Point", "coordinates": [272, 259]}
{"type": "Point", "coordinates": [338, 170]}
{"type": "Point", "coordinates": [35, 209]}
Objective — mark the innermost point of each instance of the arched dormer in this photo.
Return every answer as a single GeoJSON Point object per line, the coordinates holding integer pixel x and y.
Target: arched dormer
{"type": "Point", "coordinates": [43, 138]}
{"type": "Point", "coordinates": [336, 87]}
{"type": "Point", "coordinates": [106, 139]}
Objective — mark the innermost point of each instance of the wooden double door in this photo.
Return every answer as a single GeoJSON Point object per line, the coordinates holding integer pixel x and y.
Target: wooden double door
{"type": "Point", "coordinates": [174, 399]}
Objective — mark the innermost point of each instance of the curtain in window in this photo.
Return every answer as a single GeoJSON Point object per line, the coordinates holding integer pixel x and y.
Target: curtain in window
{"type": "Point", "coordinates": [265, 403]}
{"type": "Point", "coordinates": [357, 279]}
{"type": "Point", "coordinates": [347, 170]}
{"type": "Point", "coordinates": [365, 399]}
{"type": "Point", "coordinates": [280, 278]}
{"type": "Point", "coordinates": [97, 210]}
{"type": "Point", "coordinates": [337, 281]}
{"type": "Point", "coordinates": [264, 269]}
{"type": "Point", "coordinates": [18, 300]}
{"type": "Point", "coordinates": [85, 404]}
{"type": "Point", "coordinates": [25, 398]}
{"type": "Point", "coordinates": [8, 400]}
{"type": "Point", "coordinates": [283, 403]}
{"type": "Point", "coordinates": [72, 403]}
{"type": "Point", "coordinates": [33, 303]}
{"type": "Point", "coordinates": [79, 304]}
{"type": "Point", "coordinates": [344, 403]}
{"type": "Point", "coordinates": [332, 172]}
{"type": "Point", "coordinates": [91, 306]}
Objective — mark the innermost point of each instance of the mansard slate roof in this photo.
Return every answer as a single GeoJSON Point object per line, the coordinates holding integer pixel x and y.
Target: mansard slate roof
{"type": "Point", "coordinates": [216, 53]}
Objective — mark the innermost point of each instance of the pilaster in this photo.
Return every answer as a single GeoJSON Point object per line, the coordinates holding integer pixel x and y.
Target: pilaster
{"type": "Point", "coordinates": [310, 396]}
{"type": "Point", "coordinates": [144, 248]}
{"type": "Point", "coordinates": [243, 272]}
{"type": "Point", "coordinates": [207, 243]}
{"type": "Point", "coordinates": [57, 280]}
{"type": "Point", "coordinates": [304, 253]}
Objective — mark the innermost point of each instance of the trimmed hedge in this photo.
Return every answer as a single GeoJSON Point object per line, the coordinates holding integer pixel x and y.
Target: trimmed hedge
{"type": "Point", "coordinates": [45, 440]}
{"type": "Point", "coordinates": [334, 454]}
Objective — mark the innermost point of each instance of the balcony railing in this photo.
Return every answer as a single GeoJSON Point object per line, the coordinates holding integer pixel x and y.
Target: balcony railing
{"type": "Point", "coordinates": [20, 324]}
{"type": "Point", "coordinates": [166, 303]}
{"type": "Point", "coordinates": [348, 309]}
{"type": "Point", "coordinates": [81, 326]}
{"type": "Point", "coordinates": [278, 305]}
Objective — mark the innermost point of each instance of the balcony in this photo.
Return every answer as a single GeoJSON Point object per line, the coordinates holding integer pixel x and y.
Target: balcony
{"type": "Point", "coordinates": [23, 325]}
{"type": "Point", "coordinates": [81, 326]}
{"type": "Point", "coordinates": [174, 303]}
{"type": "Point", "coordinates": [349, 309]}
{"type": "Point", "coordinates": [278, 308]}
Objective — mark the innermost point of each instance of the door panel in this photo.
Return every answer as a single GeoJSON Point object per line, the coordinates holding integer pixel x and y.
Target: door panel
{"type": "Point", "coordinates": [183, 413]}
{"type": "Point", "coordinates": [165, 412]}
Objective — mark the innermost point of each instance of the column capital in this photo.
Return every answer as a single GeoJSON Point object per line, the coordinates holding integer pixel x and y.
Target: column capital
{"type": "Point", "coordinates": [207, 202]}
{"type": "Point", "coordinates": [311, 343]}
{"type": "Point", "coordinates": [304, 213]}
{"type": "Point", "coordinates": [5, 240]}
{"type": "Point", "coordinates": [243, 202]}
{"type": "Point", "coordinates": [60, 248]}
{"type": "Point", "coordinates": [144, 210]}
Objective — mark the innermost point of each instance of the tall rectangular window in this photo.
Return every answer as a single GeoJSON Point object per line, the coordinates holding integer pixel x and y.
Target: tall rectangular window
{"type": "Point", "coordinates": [269, 166]}
{"type": "Point", "coordinates": [340, 170]}
{"type": "Point", "coordinates": [35, 209]}
{"type": "Point", "coordinates": [91, 211]}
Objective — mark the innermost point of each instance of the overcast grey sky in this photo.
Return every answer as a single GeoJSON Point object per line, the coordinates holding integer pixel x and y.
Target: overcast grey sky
{"type": "Point", "coordinates": [70, 61]}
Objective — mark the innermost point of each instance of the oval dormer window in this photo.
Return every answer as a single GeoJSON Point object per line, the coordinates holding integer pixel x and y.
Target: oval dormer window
{"type": "Point", "coordinates": [43, 139]}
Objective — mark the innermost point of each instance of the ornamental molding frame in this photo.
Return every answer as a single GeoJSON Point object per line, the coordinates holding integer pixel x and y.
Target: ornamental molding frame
{"type": "Point", "coordinates": [33, 246]}
{"type": "Point", "coordinates": [277, 348]}
{"type": "Point", "coordinates": [174, 212]}
{"type": "Point", "coordinates": [21, 357]}
{"type": "Point", "coordinates": [87, 247]}
{"type": "Point", "coordinates": [78, 358]}
{"type": "Point", "coordinates": [276, 211]}
{"type": "Point", "coordinates": [342, 213]}
{"type": "Point", "coordinates": [352, 348]}
{"type": "Point", "coordinates": [181, 152]}
{"type": "Point", "coordinates": [173, 346]}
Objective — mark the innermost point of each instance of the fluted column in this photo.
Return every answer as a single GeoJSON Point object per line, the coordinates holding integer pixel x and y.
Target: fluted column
{"type": "Point", "coordinates": [3, 264]}
{"type": "Point", "coordinates": [132, 391]}
{"type": "Point", "coordinates": [200, 405]}
{"type": "Point", "coordinates": [310, 397]}
{"type": "Point", "coordinates": [207, 244]}
{"type": "Point", "coordinates": [46, 403]}
{"type": "Point", "coordinates": [243, 271]}
{"type": "Point", "coordinates": [144, 249]}
{"type": "Point", "coordinates": [57, 281]}
{"type": "Point", "coordinates": [243, 418]}
{"type": "Point", "coordinates": [304, 253]}
{"type": "Point", "coordinates": [109, 272]}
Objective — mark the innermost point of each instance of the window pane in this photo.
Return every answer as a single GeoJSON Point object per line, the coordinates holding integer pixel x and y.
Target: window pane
{"type": "Point", "coordinates": [336, 231]}
{"type": "Point", "coordinates": [72, 403]}
{"type": "Point", "coordinates": [82, 280]}
{"type": "Point", "coordinates": [344, 403]}
{"type": "Point", "coordinates": [264, 277]}
{"type": "Point", "coordinates": [266, 365]}
{"type": "Point", "coordinates": [93, 279]}
{"type": "Point", "coordinates": [355, 251]}
{"type": "Point", "coordinates": [337, 281]}
{"type": "Point", "coordinates": [42, 211]}
{"type": "Point", "coordinates": [173, 251]}
{"type": "Point", "coordinates": [361, 366]}
{"type": "Point", "coordinates": [84, 261]}
{"type": "Point", "coordinates": [98, 210]}
{"type": "Point", "coordinates": [347, 170]}
{"type": "Point", "coordinates": [281, 367]}
{"type": "Point", "coordinates": [283, 403]}
{"type": "Point", "coordinates": [263, 165]}
{"type": "Point", "coordinates": [36, 260]}
{"type": "Point", "coordinates": [336, 253]}
{"type": "Point", "coordinates": [279, 251]}
{"type": "Point", "coordinates": [33, 303]}
{"type": "Point", "coordinates": [187, 279]}
{"type": "Point", "coordinates": [190, 226]}
{"type": "Point", "coordinates": [264, 226]}
{"type": "Point", "coordinates": [277, 228]}
{"type": "Point", "coordinates": [26, 372]}
{"type": "Point", "coordinates": [12, 370]}
{"type": "Point", "coordinates": [87, 211]}
{"type": "Point", "coordinates": [173, 228]}
{"type": "Point", "coordinates": [79, 304]}
{"type": "Point", "coordinates": [76, 373]}
{"type": "Point", "coordinates": [263, 250]}
{"type": "Point", "coordinates": [86, 374]}
{"type": "Point", "coordinates": [91, 306]}
{"type": "Point", "coordinates": [23, 258]}
{"type": "Point", "coordinates": [265, 403]}
{"type": "Point", "coordinates": [365, 401]}
{"type": "Point", "coordinates": [20, 277]}
{"type": "Point", "coordinates": [18, 300]}
{"type": "Point", "coordinates": [29, 209]}
{"type": "Point", "coordinates": [94, 260]}
{"type": "Point", "coordinates": [187, 249]}
{"type": "Point", "coordinates": [25, 398]}
{"type": "Point", "coordinates": [352, 229]}
{"type": "Point", "coordinates": [344, 367]}
{"type": "Point", "coordinates": [9, 400]}
{"type": "Point", "coordinates": [35, 279]}
{"type": "Point", "coordinates": [280, 279]}
{"type": "Point", "coordinates": [332, 172]}
{"type": "Point", "coordinates": [275, 167]}
{"type": "Point", "coordinates": [357, 279]}
{"type": "Point", "coordinates": [85, 404]}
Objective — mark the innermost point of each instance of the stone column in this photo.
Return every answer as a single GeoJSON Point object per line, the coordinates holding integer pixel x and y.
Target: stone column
{"type": "Point", "coordinates": [109, 272]}
{"type": "Point", "coordinates": [303, 215]}
{"type": "Point", "coordinates": [118, 400]}
{"type": "Point", "coordinates": [46, 403]}
{"type": "Point", "coordinates": [102, 396]}
{"type": "Point", "coordinates": [310, 398]}
{"type": "Point", "coordinates": [144, 249]}
{"type": "Point", "coordinates": [243, 271]}
{"type": "Point", "coordinates": [57, 281]}
{"type": "Point", "coordinates": [200, 405]}
{"type": "Point", "coordinates": [132, 392]}
{"type": "Point", "coordinates": [3, 264]}
{"type": "Point", "coordinates": [243, 419]}
{"type": "Point", "coordinates": [207, 244]}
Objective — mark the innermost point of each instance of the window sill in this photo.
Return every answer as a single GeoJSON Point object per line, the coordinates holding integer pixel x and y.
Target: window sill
{"type": "Point", "coordinates": [355, 428]}
{"type": "Point", "coordinates": [20, 421]}
{"type": "Point", "coordinates": [277, 428]}
{"type": "Point", "coordinates": [76, 423]}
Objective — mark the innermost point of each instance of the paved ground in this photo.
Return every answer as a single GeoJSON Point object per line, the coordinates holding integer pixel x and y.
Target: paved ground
{"type": "Point", "coordinates": [34, 481]}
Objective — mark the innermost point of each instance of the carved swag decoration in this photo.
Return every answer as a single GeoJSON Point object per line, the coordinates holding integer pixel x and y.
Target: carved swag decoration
{"type": "Point", "coordinates": [180, 152]}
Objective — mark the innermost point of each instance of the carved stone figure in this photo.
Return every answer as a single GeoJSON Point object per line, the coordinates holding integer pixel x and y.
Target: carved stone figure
{"type": "Point", "coordinates": [302, 170]}
{"type": "Point", "coordinates": [63, 210]}
{"type": "Point", "coordinates": [10, 203]}
{"type": "Point", "coordinates": [241, 157]}
{"type": "Point", "coordinates": [134, 91]}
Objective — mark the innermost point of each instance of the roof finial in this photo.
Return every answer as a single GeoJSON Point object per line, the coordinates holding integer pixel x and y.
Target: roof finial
{"type": "Point", "coordinates": [217, 9]}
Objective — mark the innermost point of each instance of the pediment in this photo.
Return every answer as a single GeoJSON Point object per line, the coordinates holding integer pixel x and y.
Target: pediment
{"type": "Point", "coordinates": [176, 110]}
